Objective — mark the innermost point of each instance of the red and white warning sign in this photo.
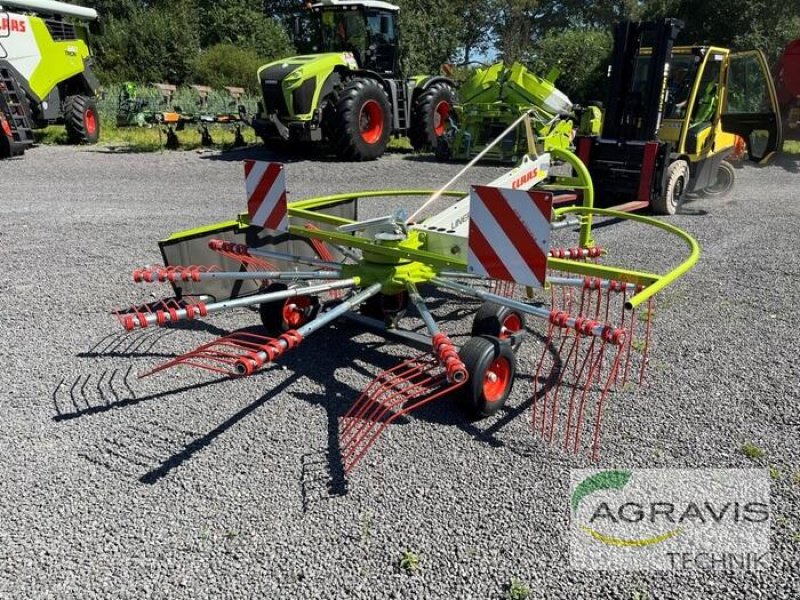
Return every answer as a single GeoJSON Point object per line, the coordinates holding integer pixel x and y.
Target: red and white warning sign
{"type": "Point", "coordinates": [266, 194]}
{"type": "Point", "coordinates": [509, 234]}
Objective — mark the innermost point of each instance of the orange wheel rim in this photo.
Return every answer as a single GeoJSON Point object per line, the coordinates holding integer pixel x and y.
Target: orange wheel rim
{"type": "Point", "coordinates": [496, 380]}
{"type": "Point", "coordinates": [370, 122]}
{"type": "Point", "coordinates": [440, 115]}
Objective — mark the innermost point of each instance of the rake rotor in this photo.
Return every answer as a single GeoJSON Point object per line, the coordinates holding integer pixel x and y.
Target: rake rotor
{"type": "Point", "coordinates": [596, 338]}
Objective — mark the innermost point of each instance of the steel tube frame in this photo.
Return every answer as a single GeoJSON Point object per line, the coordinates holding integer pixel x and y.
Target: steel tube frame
{"type": "Point", "coordinates": [322, 320]}
{"type": "Point", "coordinates": [180, 314]}
{"type": "Point", "coordinates": [535, 311]}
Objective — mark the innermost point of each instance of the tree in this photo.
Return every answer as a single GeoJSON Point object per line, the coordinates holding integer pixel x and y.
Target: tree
{"type": "Point", "coordinates": [239, 23]}
{"type": "Point", "coordinates": [581, 57]}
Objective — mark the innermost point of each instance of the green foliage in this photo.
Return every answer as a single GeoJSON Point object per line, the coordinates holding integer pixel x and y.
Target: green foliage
{"type": "Point", "coordinates": [150, 44]}
{"type": "Point", "coordinates": [238, 22]}
{"type": "Point", "coordinates": [516, 590]}
{"type": "Point", "coordinates": [226, 64]}
{"type": "Point", "coordinates": [430, 34]}
{"type": "Point", "coordinates": [409, 562]}
{"type": "Point", "coordinates": [750, 450]}
{"type": "Point", "coordinates": [581, 56]}
{"type": "Point", "coordinates": [741, 25]}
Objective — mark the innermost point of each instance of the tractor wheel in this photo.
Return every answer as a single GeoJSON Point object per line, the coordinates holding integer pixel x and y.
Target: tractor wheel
{"type": "Point", "coordinates": [497, 320]}
{"type": "Point", "coordinates": [81, 120]}
{"type": "Point", "coordinates": [491, 365]}
{"type": "Point", "coordinates": [280, 316]}
{"type": "Point", "coordinates": [674, 189]}
{"type": "Point", "coordinates": [726, 177]}
{"type": "Point", "coordinates": [430, 114]}
{"type": "Point", "coordinates": [363, 123]}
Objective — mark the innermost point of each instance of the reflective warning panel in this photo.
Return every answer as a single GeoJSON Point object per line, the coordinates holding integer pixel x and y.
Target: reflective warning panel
{"type": "Point", "coordinates": [509, 234]}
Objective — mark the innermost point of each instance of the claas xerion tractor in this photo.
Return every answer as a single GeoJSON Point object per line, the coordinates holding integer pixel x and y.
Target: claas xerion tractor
{"type": "Point", "coordinates": [351, 92]}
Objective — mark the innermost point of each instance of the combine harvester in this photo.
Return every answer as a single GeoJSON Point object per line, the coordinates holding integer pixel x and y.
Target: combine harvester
{"type": "Point", "coordinates": [46, 74]}
{"type": "Point", "coordinates": [488, 245]}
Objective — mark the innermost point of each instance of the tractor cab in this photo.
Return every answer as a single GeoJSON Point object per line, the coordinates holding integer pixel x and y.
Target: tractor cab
{"type": "Point", "coordinates": [367, 29]}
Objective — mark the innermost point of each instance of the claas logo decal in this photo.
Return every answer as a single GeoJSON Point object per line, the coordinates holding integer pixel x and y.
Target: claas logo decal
{"type": "Point", "coordinates": [12, 25]}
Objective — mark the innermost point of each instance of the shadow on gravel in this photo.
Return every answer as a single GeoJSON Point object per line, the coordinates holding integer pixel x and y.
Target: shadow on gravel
{"type": "Point", "coordinates": [789, 162]}
{"type": "Point", "coordinates": [322, 474]}
{"type": "Point", "coordinates": [100, 392]}
{"type": "Point", "coordinates": [287, 154]}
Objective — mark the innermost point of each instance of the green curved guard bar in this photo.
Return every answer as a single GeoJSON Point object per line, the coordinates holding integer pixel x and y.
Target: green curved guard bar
{"type": "Point", "coordinates": [661, 281]}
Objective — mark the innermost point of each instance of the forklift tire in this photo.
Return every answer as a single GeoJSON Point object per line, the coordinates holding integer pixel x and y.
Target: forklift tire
{"type": "Point", "coordinates": [81, 120]}
{"type": "Point", "coordinates": [363, 120]}
{"type": "Point", "coordinates": [430, 114]}
{"type": "Point", "coordinates": [497, 320]}
{"type": "Point", "coordinates": [280, 316]}
{"type": "Point", "coordinates": [726, 178]}
{"type": "Point", "coordinates": [492, 366]}
{"type": "Point", "coordinates": [677, 180]}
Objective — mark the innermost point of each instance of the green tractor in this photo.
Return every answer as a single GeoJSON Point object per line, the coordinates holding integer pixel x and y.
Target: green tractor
{"type": "Point", "coordinates": [46, 72]}
{"type": "Point", "coordinates": [351, 92]}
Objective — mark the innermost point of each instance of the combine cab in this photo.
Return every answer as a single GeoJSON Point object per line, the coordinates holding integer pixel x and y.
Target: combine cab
{"type": "Point", "coordinates": [351, 92]}
{"type": "Point", "coordinates": [46, 73]}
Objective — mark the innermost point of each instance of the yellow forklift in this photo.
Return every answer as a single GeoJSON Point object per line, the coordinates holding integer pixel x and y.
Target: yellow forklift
{"type": "Point", "coordinates": [672, 117]}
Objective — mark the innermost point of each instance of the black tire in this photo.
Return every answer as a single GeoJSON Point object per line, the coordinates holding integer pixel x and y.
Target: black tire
{"type": "Point", "coordinates": [677, 180]}
{"type": "Point", "coordinates": [81, 120]}
{"type": "Point", "coordinates": [492, 366]}
{"type": "Point", "coordinates": [362, 123]}
{"type": "Point", "coordinates": [429, 115]}
{"type": "Point", "coordinates": [724, 182]}
{"type": "Point", "coordinates": [278, 316]}
{"type": "Point", "coordinates": [497, 321]}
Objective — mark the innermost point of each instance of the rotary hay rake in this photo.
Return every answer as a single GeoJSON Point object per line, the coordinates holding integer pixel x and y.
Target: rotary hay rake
{"type": "Point", "coordinates": [492, 245]}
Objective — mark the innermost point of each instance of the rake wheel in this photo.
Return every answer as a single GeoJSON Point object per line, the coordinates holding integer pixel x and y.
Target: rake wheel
{"type": "Point", "coordinates": [492, 366]}
{"type": "Point", "coordinates": [282, 315]}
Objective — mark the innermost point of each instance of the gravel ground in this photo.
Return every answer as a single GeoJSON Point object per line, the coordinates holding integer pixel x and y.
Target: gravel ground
{"type": "Point", "coordinates": [182, 486]}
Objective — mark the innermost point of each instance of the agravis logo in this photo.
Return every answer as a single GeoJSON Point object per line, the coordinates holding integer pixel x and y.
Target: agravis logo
{"type": "Point", "coordinates": [653, 518]}
{"type": "Point", "coordinates": [614, 480]}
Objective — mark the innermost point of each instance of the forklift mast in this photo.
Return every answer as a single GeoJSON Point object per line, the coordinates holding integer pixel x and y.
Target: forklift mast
{"type": "Point", "coordinates": [636, 100]}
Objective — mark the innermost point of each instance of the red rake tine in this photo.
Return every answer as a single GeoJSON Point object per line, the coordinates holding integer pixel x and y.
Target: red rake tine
{"type": "Point", "coordinates": [398, 398]}
{"type": "Point", "coordinates": [373, 404]}
{"type": "Point", "coordinates": [427, 399]}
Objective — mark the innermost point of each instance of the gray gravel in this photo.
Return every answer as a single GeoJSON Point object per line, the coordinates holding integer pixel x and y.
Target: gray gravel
{"type": "Point", "coordinates": [179, 486]}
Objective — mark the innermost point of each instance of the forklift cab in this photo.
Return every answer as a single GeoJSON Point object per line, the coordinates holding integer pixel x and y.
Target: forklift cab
{"type": "Point", "coordinates": [366, 29]}
{"type": "Point", "coordinates": [713, 95]}
{"type": "Point", "coordinates": [673, 114]}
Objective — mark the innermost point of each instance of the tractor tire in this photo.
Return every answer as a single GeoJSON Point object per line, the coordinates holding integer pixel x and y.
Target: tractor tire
{"type": "Point", "coordinates": [81, 120]}
{"type": "Point", "coordinates": [726, 178]}
{"type": "Point", "coordinates": [280, 316]}
{"type": "Point", "coordinates": [362, 124]}
{"type": "Point", "coordinates": [429, 116]}
{"type": "Point", "coordinates": [497, 321]}
{"type": "Point", "coordinates": [674, 189]}
{"type": "Point", "coordinates": [492, 366]}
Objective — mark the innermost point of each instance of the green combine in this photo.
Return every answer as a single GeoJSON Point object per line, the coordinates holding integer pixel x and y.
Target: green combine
{"type": "Point", "coordinates": [351, 92]}
{"type": "Point", "coordinates": [496, 96]}
{"type": "Point", "coordinates": [46, 72]}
